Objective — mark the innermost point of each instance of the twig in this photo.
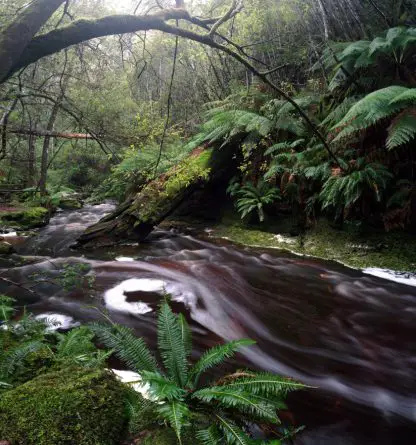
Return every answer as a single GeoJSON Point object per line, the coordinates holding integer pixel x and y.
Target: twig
{"type": "Point", "coordinates": [169, 104]}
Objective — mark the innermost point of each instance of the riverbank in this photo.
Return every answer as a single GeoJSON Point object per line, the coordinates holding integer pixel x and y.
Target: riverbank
{"type": "Point", "coordinates": [351, 246]}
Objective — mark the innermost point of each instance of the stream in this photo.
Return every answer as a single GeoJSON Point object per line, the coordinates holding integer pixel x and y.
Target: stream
{"type": "Point", "coordinates": [350, 335]}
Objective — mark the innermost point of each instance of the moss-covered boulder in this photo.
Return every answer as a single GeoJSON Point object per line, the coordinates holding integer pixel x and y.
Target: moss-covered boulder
{"type": "Point", "coordinates": [24, 218]}
{"type": "Point", "coordinates": [6, 248]}
{"type": "Point", "coordinates": [70, 202]}
{"type": "Point", "coordinates": [135, 219]}
{"type": "Point", "coordinates": [67, 407]}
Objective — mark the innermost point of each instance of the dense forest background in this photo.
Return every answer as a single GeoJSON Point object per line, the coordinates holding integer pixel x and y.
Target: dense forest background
{"type": "Point", "coordinates": [106, 116]}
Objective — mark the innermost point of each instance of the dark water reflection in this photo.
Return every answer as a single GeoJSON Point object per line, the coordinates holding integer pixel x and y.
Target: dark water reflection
{"type": "Point", "coordinates": [351, 335]}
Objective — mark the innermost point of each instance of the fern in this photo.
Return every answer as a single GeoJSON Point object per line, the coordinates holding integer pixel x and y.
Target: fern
{"type": "Point", "coordinates": [176, 413]}
{"type": "Point", "coordinates": [172, 346]}
{"type": "Point", "coordinates": [246, 402]}
{"type": "Point", "coordinates": [127, 347]}
{"type": "Point", "coordinates": [177, 399]}
{"type": "Point", "coordinates": [215, 356]}
{"type": "Point", "coordinates": [209, 436]}
{"type": "Point", "coordinates": [389, 103]}
{"type": "Point", "coordinates": [252, 199]}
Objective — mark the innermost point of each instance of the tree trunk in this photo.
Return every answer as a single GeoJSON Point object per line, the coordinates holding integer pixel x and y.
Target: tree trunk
{"type": "Point", "coordinates": [45, 148]}
{"type": "Point", "coordinates": [30, 181]}
{"type": "Point", "coordinates": [15, 37]}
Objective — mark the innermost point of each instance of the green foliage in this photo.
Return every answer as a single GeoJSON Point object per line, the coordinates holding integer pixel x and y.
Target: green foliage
{"type": "Point", "coordinates": [73, 405]}
{"type": "Point", "coordinates": [25, 218]}
{"type": "Point", "coordinates": [215, 414]}
{"type": "Point", "coordinates": [395, 103]}
{"type": "Point", "coordinates": [372, 64]}
{"type": "Point", "coordinates": [30, 348]}
{"type": "Point", "coordinates": [137, 167]}
{"type": "Point", "coordinates": [347, 188]}
{"type": "Point", "coordinates": [253, 199]}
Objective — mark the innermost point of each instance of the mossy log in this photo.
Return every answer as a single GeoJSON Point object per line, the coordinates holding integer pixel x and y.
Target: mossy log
{"type": "Point", "coordinates": [135, 219]}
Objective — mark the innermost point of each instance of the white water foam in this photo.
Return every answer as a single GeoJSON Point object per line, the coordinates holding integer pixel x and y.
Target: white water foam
{"type": "Point", "coordinates": [134, 380]}
{"type": "Point", "coordinates": [392, 275]}
{"type": "Point", "coordinates": [56, 321]}
{"type": "Point", "coordinates": [116, 300]}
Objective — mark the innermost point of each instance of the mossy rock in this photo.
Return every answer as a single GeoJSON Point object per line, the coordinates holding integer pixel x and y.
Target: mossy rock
{"type": "Point", "coordinates": [70, 204]}
{"type": "Point", "coordinates": [6, 248]}
{"type": "Point", "coordinates": [25, 218]}
{"type": "Point", "coordinates": [67, 407]}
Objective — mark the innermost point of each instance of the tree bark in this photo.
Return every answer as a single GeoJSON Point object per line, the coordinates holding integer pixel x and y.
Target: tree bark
{"type": "Point", "coordinates": [45, 148]}
{"type": "Point", "coordinates": [51, 134]}
{"type": "Point", "coordinates": [15, 37]}
{"type": "Point", "coordinates": [81, 31]}
{"type": "Point", "coordinates": [30, 180]}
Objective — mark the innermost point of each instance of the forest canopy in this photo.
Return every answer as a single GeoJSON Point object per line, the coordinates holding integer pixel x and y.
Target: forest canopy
{"type": "Point", "coordinates": [319, 96]}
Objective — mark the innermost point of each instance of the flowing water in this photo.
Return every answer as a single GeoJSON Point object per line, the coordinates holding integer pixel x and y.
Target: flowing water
{"type": "Point", "coordinates": [350, 335]}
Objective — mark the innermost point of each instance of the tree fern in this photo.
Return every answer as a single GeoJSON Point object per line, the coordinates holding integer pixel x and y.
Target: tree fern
{"type": "Point", "coordinates": [402, 129]}
{"type": "Point", "coordinates": [389, 103]}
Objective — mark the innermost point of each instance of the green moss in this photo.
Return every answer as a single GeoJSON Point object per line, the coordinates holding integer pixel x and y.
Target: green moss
{"type": "Point", "coordinates": [70, 204]}
{"type": "Point", "coordinates": [396, 251]}
{"type": "Point", "coordinates": [71, 406]}
{"type": "Point", "coordinates": [159, 196]}
{"type": "Point", "coordinates": [165, 436]}
{"type": "Point", "coordinates": [25, 218]}
{"type": "Point", "coordinates": [5, 248]}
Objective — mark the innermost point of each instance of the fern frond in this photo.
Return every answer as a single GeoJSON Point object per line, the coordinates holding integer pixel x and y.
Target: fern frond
{"type": "Point", "coordinates": [161, 387]}
{"type": "Point", "coordinates": [403, 128]}
{"type": "Point", "coordinates": [127, 347]}
{"type": "Point", "coordinates": [171, 346]}
{"type": "Point", "coordinates": [234, 435]}
{"type": "Point", "coordinates": [243, 401]}
{"type": "Point", "coordinates": [215, 356]}
{"type": "Point", "coordinates": [176, 413]}
{"type": "Point", "coordinates": [210, 436]}
{"type": "Point", "coordinates": [15, 359]}
{"type": "Point", "coordinates": [186, 334]}
{"type": "Point", "coordinates": [265, 384]}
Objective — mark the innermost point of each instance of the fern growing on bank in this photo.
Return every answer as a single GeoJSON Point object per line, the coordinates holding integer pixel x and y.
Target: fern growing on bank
{"type": "Point", "coordinates": [214, 414]}
{"type": "Point", "coordinates": [342, 190]}
{"type": "Point", "coordinates": [29, 347]}
{"type": "Point", "coordinates": [395, 103]}
{"type": "Point", "coordinates": [251, 199]}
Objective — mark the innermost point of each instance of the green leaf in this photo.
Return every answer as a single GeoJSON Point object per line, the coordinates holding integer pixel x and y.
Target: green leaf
{"type": "Point", "coordinates": [171, 345]}
{"type": "Point", "coordinates": [233, 434]}
{"type": "Point", "coordinates": [243, 401]}
{"type": "Point", "coordinates": [210, 436]}
{"type": "Point", "coordinates": [176, 413]}
{"type": "Point", "coordinates": [217, 355]}
{"type": "Point", "coordinates": [265, 384]}
{"type": "Point", "coordinates": [127, 347]}
{"type": "Point", "coordinates": [161, 387]}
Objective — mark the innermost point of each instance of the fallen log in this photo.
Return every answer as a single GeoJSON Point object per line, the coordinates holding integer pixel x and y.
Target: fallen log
{"type": "Point", "coordinates": [53, 134]}
{"type": "Point", "coordinates": [135, 219]}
